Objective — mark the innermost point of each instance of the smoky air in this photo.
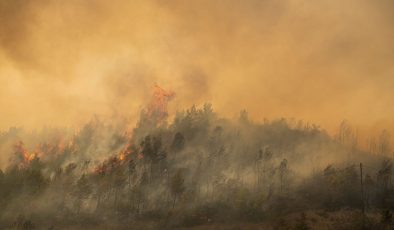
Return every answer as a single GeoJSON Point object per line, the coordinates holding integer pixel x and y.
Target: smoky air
{"type": "Point", "coordinates": [198, 114]}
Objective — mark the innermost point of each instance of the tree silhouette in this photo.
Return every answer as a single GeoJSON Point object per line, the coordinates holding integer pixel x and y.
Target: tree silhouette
{"type": "Point", "coordinates": [283, 171]}
{"type": "Point", "coordinates": [177, 186]}
{"type": "Point", "coordinates": [81, 192]}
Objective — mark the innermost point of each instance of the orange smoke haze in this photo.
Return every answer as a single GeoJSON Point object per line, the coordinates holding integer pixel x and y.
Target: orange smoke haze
{"type": "Point", "coordinates": [321, 61]}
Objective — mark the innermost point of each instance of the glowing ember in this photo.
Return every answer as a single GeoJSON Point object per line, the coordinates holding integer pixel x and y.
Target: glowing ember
{"type": "Point", "coordinates": [122, 156]}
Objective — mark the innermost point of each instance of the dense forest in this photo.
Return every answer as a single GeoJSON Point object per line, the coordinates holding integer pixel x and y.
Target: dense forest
{"type": "Point", "coordinates": [197, 170]}
{"type": "Point", "coordinates": [274, 114]}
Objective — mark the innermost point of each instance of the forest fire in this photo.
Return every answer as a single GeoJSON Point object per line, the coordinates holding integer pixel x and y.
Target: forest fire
{"type": "Point", "coordinates": [122, 156]}
{"type": "Point", "coordinates": [186, 163]}
{"type": "Point", "coordinates": [23, 154]}
{"type": "Point", "coordinates": [28, 157]}
{"type": "Point", "coordinates": [127, 151]}
{"type": "Point", "coordinates": [196, 114]}
{"type": "Point", "coordinates": [157, 108]}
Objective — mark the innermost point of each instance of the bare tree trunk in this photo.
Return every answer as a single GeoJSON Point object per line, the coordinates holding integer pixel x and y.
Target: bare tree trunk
{"type": "Point", "coordinates": [173, 204]}
{"type": "Point", "coordinates": [98, 201]}
{"type": "Point", "coordinates": [116, 198]}
{"type": "Point", "coordinates": [362, 189]}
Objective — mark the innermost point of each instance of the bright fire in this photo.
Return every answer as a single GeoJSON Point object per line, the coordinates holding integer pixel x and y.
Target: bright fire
{"type": "Point", "coordinates": [157, 108]}
{"type": "Point", "coordinates": [25, 155]}
{"type": "Point", "coordinates": [122, 156]}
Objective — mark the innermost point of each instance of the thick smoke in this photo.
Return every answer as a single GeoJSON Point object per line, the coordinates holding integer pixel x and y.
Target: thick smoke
{"type": "Point", "coordinates": [83, 142]}
{"type": "Point", "coordinates": [322, 61]}
{"type": "Point", "coordinates": [194, 169]}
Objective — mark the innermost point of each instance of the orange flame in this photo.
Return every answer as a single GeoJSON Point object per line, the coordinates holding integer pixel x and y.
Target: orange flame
{"type": "Point", "coordinates": [157, 108]}
{"type": "Point", "coordinates": [122, 156]}
{"type": "Point", "coordinates": [126, 151]}
{"type": "Point", "coordinates": [26, 156]}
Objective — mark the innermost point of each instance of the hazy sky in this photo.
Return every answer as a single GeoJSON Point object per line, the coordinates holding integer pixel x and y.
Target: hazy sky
{"type": "Point", "coordinates": [321, 61]}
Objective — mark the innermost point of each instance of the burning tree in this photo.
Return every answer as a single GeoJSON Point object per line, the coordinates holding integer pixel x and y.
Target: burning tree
{"type": "Point", "coordinates": [156, 113]}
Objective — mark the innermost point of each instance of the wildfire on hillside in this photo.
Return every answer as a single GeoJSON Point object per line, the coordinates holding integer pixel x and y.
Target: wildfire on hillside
{"type": "Point", "coordinates": [156, 112]}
